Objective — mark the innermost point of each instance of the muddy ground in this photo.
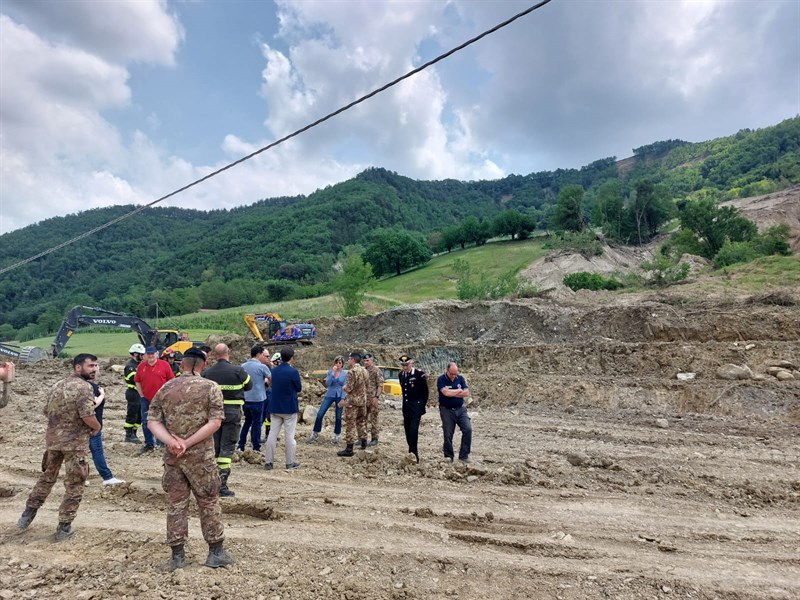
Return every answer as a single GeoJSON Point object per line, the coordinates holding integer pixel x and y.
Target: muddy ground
{"type": "Point", "coordinates": [597, 473]}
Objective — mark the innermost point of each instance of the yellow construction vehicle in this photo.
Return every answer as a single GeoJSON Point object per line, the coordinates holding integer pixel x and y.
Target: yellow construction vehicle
{"type": "Point", "coordinates": [279, 331]}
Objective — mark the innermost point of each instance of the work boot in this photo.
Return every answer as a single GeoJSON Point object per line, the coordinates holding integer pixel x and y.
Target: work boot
{"type": "Point", "coordinates": [64, 531]}
{"type": "Point", "coordinates": [27, 518]}
{"type": "Point", "coordinates": [146, 450]}
{"type": "Point", "coordinates": [224, 492]}
{"type": "Point", "coordinates": [363, 443]}
{"type": "Point", "coordinates": [335, 440]}
{"type": "Point", "coordinates": [178, 559]}
{"type": "Point", "coordinates": [312, 439]}
{"type": "Point", "coordinates": [268, 466]}
{"type": "Point", "coordinates": [348, 451]}
{"type": "Point", "coordinates": [130, 436]}
{"type": "Point", "coordinates": [373, 441]}
{"type": "Point", "coordinates": [218, 556]}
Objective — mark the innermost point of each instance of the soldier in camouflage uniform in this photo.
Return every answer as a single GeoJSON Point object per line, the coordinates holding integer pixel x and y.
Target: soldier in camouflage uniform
{"type": "Point", "coordinates": [373, 397]}
{"type": "Point", "coordinates": [184, 415]}
{"type": "Point", "coordinates": [355, 405]}
{"type": "Point", "coordinates": [70, 422]}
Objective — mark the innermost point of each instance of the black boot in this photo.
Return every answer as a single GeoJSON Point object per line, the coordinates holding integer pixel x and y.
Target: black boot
{"type": "Point", "coordinates": [348, 451]}
{"type": "Point", "coordinates": [178, 559]}
{"type": "Point", "coordinates": [64, 531]}
{"type": "Point", "coordinates": [373, 441]}
{"type": "Point", "coordinates": [224, 492]}
{"type": "Point", "coordinates": [218, 556]}
{"type": "Point", "coordinates": [130, 436]}
{"type": "Point", "coordinates": [27, 518]}
{"type": "Point", "coordinates": [363, 443]}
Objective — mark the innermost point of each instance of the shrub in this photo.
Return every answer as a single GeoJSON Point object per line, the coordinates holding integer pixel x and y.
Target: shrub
{"type": "Point", "coordinates": [664, 270]}
{"type": "Point", "coordinates": [735, 252]}
{"type": "Point", "coordinates": [584, 242]}
{"type": "Point", "coordinates": [485, 288]}
{"type": "Point", "coordinates": [590, 281]}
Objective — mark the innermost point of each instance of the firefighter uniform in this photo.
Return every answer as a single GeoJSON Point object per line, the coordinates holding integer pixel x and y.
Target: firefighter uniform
{"type": "Point", "coordinates": [133, 415]}
{"type": "Point", "coordinates": [233, 380]}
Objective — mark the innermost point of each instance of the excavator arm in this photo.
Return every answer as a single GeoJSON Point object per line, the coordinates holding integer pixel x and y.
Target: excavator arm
{"type": "Point", "coordinates": [106, 318]}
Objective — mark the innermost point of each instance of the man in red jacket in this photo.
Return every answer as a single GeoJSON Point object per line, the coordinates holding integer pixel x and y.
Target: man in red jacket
{"type": "Point", "coordinates": [151, 374]}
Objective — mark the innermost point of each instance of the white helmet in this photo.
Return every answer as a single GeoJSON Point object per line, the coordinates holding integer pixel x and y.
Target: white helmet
{"type": "Point", "coordinates": [276, 357]}
{"type": "Point", "coordinates": [136, 349]}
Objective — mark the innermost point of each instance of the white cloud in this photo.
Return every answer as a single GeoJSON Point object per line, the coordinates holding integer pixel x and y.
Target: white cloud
{"type": "Point", "coordinates": [120, 31]}
{"type": "Point", "coordinates": [571, 83]}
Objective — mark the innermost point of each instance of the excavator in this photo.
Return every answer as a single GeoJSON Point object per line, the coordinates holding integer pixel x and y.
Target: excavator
{"type": "Point", "coordinates": [279, 331]}
{"type": "Point", "coordinates": [24, 354]}
{"type": "Point", "coordinates": [163, 339]}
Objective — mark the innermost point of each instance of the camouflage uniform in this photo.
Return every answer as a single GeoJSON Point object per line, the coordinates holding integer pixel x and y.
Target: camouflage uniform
{"type": "Point", "coordinates": [184, 405]}
{"type": "Point", "coordinates": [374, 390]}
{"type": "Point", "coordinates": [67, 439]}
{"type": "Point", "coordinates": [355, 411]}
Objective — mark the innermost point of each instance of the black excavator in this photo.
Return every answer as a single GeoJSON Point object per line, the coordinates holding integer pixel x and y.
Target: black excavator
{"type": "Point", "coordinates": [162, 339]}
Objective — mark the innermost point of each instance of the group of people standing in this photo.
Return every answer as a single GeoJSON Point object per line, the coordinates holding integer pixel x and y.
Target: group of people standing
{"type": "Point", "coordinates": [195, 413]}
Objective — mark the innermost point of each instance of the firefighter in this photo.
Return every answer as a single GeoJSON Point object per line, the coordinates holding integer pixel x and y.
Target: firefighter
{"type": "Point", "coordinates": [234, 381]}
{"type": "Point", "coordinates": [133, 416]}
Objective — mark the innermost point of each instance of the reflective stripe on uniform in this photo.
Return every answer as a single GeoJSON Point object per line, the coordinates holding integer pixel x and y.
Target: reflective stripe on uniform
{"type": "Point", "coordinates": [131, 425]}
{"type": "Point", "coordinates": [238, 402]}
{"type": "Point", "coordinates": [224, 463]}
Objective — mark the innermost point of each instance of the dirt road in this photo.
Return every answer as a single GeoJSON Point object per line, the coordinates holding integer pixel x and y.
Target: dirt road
{"type": "Point", "coordinates": [631, 488]}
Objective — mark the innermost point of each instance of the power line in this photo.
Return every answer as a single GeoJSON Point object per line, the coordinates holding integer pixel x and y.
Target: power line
{"type": "Point", "coordinates": [375, 92]}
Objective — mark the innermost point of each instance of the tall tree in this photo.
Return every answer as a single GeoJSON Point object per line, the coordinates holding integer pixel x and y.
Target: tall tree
{"type": "Point", "coordinates": [392, 250]}
{"type": "Point", "coordinates": [351, 283]}
{"type": "Point", "coordinates": [569, 209]}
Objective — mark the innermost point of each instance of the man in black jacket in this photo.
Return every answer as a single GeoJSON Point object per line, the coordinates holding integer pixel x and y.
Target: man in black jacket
{"type": "Point", "coordinates": [234, 381]}
{"type": "Point", "coordinates": [414, 384]}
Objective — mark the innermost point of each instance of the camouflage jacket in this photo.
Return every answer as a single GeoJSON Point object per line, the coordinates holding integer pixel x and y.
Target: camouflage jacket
{"type": "Point", "coordinates": [375, 386]}
{"type": "Point", "coordinates": [357, 385]}
{"type": "Point", "coordinates": [184, 405]}
{"type": "Point", "coordinates": [69, 401]}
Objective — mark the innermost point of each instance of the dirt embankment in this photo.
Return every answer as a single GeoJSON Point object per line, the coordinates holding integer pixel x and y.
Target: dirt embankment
{"type": "Point", "coordinates": [597, 472]}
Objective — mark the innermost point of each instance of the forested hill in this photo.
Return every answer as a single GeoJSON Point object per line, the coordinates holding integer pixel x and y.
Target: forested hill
{"type": "Point", "coordinates": [187, 259]}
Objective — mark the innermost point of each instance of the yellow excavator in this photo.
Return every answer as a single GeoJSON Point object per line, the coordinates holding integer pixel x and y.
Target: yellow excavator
{"type": "Point", "coordinates": [279, 331]}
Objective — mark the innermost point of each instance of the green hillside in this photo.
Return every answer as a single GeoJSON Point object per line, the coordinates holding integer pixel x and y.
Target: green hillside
{"type": "Point", "coordinates": [278, 249]}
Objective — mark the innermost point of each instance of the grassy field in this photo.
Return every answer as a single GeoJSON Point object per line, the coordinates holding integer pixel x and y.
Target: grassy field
{"type": "Point", "coordinates": [105, 343]}
{"type": "Point", "coordinates": [761, 274]}
{"type": "Point", "coordinates": [437, 280]}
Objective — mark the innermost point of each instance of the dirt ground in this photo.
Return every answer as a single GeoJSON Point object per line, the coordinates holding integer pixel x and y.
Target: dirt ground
{"type": "Point", "coordinates": [597, 472]}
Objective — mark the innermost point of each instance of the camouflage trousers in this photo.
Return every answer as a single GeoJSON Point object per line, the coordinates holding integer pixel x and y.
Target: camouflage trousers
{"type": "Point", "coordinates": [373, 408]}
{"type": "Point", "coordinates": [76, 470]}
{"type": "Point", "coordinates": [201, 478]}
{"type": "Point", "coordinates": [355, 417]}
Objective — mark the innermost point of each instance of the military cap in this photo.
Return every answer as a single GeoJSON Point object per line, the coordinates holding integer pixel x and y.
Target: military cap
{"type": "Point", "coordinates": [405, 359]}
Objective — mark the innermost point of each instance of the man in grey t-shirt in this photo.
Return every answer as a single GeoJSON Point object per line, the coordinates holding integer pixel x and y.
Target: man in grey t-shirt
{"type": "Point", "coordinates": [253, 407]}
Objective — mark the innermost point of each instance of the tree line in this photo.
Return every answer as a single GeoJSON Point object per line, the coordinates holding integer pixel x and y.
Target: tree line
{"type": "Point", "coordinates": [291, 247]}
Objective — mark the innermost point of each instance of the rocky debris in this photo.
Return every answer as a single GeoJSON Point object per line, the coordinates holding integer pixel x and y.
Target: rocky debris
{"type": "Point", "coordinates": [734, 372]}
{"type": "Point", "coordinates": [309, 414]}
{"type": "Point", "coordinates": [784, 375]}
{"type": "Point", "coordinates": [661, 423]}
{"type": "Point", "coordinates": [686, 376]}
{"type": "Point", "coordinates": [780, 364]}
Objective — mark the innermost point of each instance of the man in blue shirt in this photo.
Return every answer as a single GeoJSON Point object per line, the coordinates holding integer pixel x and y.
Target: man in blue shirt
{"type": "Point", "coordinates": [452, 391]}
{"type": "Point", "coordinates": [283, 409]}
{"type": "Point", "coordinates": [257, 368]}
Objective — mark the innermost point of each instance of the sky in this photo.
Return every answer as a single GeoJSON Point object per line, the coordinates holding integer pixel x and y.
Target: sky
{"type": "Point", "coordinates": [108, 102]}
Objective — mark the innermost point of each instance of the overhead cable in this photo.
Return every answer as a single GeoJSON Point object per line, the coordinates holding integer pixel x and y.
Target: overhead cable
{"type": "Point", "coordinates": [375, 92]}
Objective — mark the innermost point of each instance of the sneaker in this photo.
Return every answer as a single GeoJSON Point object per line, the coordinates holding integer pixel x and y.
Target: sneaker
{"type": "Point", "coordinates": [466, 461]}
{"type": "Point", "coordinates": [312, 439]}
{"type": "Point", "coordinates": [146, 450]}
{"type": "Point", "coordinates": [295, 465]}
{"type": "Point", "coordinates": [335, 440]}
{"type": "Point", "coordinates": [268, 466]}
{"type": "Point", "coordinates": [113, 481]}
